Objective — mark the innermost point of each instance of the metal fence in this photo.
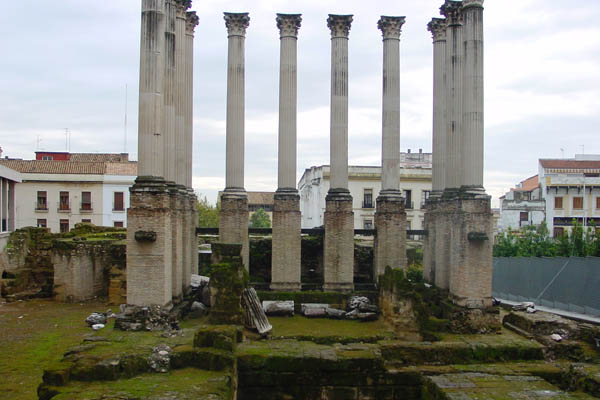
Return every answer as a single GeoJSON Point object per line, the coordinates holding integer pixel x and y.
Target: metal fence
{"type": "Point", "coordinates": [565, 283]}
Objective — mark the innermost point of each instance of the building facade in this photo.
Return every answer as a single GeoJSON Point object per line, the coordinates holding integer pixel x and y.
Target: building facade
{"type": "Point", "coordinates": [364, 183]}
{"type": "Point", "coordinates": [58, 193]}
{"type": "Point", "coordinates": [9, 178]}
{"type": "Point", "coordinates": [571, 188]}
{"type": "Point", "coordinates": [524, 205]}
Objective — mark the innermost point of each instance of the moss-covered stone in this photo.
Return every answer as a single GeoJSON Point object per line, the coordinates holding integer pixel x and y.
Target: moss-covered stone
{"type": "Point", "coordinates": [224, 337]}
{"type": "Point", "coordinates": [227, 282]}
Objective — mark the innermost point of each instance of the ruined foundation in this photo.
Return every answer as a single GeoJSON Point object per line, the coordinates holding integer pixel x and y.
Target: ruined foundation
{"type": "Point", "coordinates": [339, 243]}
{"type": "Point", "coordinates": [177, 238]}
{"type": "Point", "coordinates": [285, 273]}
{"type": "Point", "coordinates": [233, 222]}
{"type": "Point", "coordinates": [390, 237]}
{"type": "Point", "coordinates": [149, 243]}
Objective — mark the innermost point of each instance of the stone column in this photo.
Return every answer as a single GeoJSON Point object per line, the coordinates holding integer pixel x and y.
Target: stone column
{"type": "Point", "coordinates": [437, 27]}
{"type": "Point", "coordinates": [180, 91]}
{"type": "Point", "coordinates": [452, 10]}
{"type": "Point", "coordinates": [233, 223]}
{"type": "Point", "coordinates": [390, 217]}
{"type": "Point", "coordinates": [191, 220]}
{"type": "Point", "coordinates": [150, 128]}
{"type": "Point", "coordinates": [149, 245]}
{"type": "Point", "coordinates": [170, 91]}
{"type": "Point", "coordinates": [285, 274]}
{"type": "Point", "coordinates": [472, 158]}
{"type": "Point", "coordinates": [338, 217]}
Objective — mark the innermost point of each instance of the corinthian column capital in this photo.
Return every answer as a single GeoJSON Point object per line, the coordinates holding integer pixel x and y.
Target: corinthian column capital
{"type": "Point", "coordinates": [390, 27]}
{"type": "Point", "coordinates": [288, 24]}
{"type": "Point", "coordinates": [191, 21]}
{"type": "Point", "coordinates": [452, 10]}
{"type": "Point", "coordinates": [181, 6]}
{"type": "Point", "coordinates": [437, 27]}
{"type": "Point", "coordinates": [472, 3]}
{"type": "Point", "coordinates": [339, 25]}
{"type": "Point", "coordinates": [236, 23]}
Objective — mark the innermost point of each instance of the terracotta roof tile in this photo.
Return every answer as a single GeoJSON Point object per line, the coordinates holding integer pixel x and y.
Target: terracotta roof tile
{"type": "Point", "coordinates": [570, 164]}
{"type": "Point", "coordinates": [128, 168]}
{"type": "Point", "coordinates": [70, 167]}
{"type": "Point", "coordinates": [99, 157]}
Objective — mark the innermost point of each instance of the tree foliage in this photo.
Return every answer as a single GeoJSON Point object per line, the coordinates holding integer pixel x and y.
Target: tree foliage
{"type": "Point", "coordinates": [533, 241]}
{"type": "Point", "coordinates": [260, 219]}
{"type": "Point", "coordinates": [208, 214]}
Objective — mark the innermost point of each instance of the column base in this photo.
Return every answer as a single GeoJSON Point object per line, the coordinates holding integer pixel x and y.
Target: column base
{"type": "Point", "coordinates": [175, 194]}
{"type": "Point", "coordinates": [286, 242]}
{"type": "Point", "coordinates": [338, 274]}
{"type": "Point", "coordinates": [233, 222]}
{"type": "Point", "coordinates": [149, 243]}
{"type": "Point", "coordinates": [390, 237]}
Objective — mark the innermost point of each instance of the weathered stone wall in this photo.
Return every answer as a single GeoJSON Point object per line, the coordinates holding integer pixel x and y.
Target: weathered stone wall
{"type": "Point", "coordinates": [339, 245]}
{"type": "Point", "coordinates": [286, 270]}
{"type": "Point", "coordinates": [390, 240]}
{"type": "Point", "coordinates": [233, 224]}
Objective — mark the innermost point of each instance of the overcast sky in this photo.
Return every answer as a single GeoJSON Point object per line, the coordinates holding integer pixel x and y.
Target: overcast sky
{"type": "Point", "coordinates": [66, 64]}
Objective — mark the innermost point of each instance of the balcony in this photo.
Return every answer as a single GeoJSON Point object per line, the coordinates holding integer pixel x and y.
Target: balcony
{"type": "Point", "coordinates": [64, 207]}
{"type": "Point", "coordinates": [367, 204]}
{"type": "Point", "coordinates": [409, 205]}
{"type": "Point", "coordinates": [41, 207]}
{"type": "Point", "coordinates": [86, 208]}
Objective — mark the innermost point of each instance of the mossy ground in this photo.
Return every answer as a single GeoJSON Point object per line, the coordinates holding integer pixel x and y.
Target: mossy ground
{"type": "Point", "coordinates": [35, 334]}
{"type": "Point", "coordinates": [327, 331]}
{"type": "Point", "coordinates": [183, 384]}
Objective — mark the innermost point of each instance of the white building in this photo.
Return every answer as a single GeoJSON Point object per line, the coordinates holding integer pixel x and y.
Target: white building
{"type": "Point", "coordinates": [522, 206]}
{"type": "Point", "coordinates": [571, 188]}
{"type": "Point", "coordinates": [364, 184]}
{"type": "Point", "coordinates": [58, 193]}
{"type": "Point", "coordinates": [8, 180]}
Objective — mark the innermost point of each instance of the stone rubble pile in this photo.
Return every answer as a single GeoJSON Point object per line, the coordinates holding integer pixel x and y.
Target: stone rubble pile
{"type": "Point", "coordinates": [359, 308]}
{"type": "Point", "coordinates": [152, 318]}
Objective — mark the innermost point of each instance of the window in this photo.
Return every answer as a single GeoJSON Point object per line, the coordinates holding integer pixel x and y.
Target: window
{"type": "Point", "coordinates": [368, 224]}
{"type": "Point", "coordinates": [367, 199]}
{"type": "Point", "coordinates": [558, 202]}
{"type": "Point", "coordinates": [558, 231]}
{"type": "Point", "coordinates": [86, 201]}
{"type": "Point", "coordinates": [408, 225]}
{"type": "Point", "coordinates": [63, 201]}
{"type": "Point", "coordinates": [41, 204]}
{"type": "Point", "coordinates": [598, 202]}
{"type": "Point", "coordinates": [47, 158]}
{"type": "Point", "coordinates": [86, 221]}
{"type": "Point", "coordinates": [408, 199]}
{"type": "Point", "coordinates": [64, 225]}
{"type": "Point", "coordinates": [118, 224]}
{"type": "Point", "coordinates": [41, 223]}
{"type": "Point", "coordinates": [118, 202]}
{"type": "Point", "coordinates": [524, 216]}
{"type": "Point", "coordinates": [577, 203]}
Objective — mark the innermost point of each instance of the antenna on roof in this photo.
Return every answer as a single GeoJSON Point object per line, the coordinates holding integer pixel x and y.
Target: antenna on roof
{"type": "Point", "coordinates": [125, 127]}
{"type": "Point", "coordinates": [37, 146]}
{"type": "Point", "coordinates": [67, 140]}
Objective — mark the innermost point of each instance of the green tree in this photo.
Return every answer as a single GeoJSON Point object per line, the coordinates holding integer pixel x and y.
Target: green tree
{"type": "Point", "coordinates": [260, 219]}
{"type": "Point", "coordinates": [208, 214]}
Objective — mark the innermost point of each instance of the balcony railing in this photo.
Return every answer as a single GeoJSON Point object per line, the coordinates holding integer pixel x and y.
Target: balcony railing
{"type": "Point", "coordinates": [409, 205]}
{"type": "Point", "coordinates": [367, 204]}
{"type": "Point", "coordinates": [42, 207]}
{"type": "Point", "coordinates": [86, 208]}
{"type": "Point", "coordinates": [64, 207]}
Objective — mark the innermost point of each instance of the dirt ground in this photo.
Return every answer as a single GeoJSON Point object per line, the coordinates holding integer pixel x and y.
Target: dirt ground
{"type": "Point", "coordinates": [34, 334]}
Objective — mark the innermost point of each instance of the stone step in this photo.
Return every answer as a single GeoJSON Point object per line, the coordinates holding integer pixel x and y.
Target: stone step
{"type": "Point", "coordinates": [482, 386]}
{"type": "Point", "coordinates": [462, 349]}
{"type": "Point", "coordinates": [183, 384]}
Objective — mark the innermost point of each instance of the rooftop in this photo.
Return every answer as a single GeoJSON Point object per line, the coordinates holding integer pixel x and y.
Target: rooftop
{"type": "Point", "coordinates": [70, 167]}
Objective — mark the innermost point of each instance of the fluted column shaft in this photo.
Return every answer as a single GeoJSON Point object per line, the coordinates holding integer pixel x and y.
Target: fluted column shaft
{"type": "Point", "coordinates": [191, 23]}
{"type": "Point", "coordinates": [150, 129]}
{"type": "Point", "coordinates": [236, 28]}
{"type": "Point", "coordinates": [473, 94]}
{"type": "Point", "coordinates": [390, 143]}
{"type": "Point", "coordinates": [454, 93]}
{"type": "Point", "coordinates": [338, 145]}
{"type": "Point", "coordinates": [180, 98]}
{"type": "Point", "coordinates": [288, 25]}
{"type": "Point", "coordinates": [170, 91]}
{"type": "Point", "coordinates": [437, 27]}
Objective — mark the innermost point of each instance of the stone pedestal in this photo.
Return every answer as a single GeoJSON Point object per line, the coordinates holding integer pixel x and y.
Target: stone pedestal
{"type": "Point", "coordinates": [233, 222]}
{"type": "Point", "coordinates": [177, 241]}
{"type": "Point", "coordinates": [338, 274]}
{"type": "Point", "coordinates": [186, 243]}
{"type": "Point", "coordinates": [149, 243]}
{"type": "Point", "coordinates": [469, 221]}
{"type": "Point", "coordinates": [429, 224]}
{"type": "Point", "coordinates": [192, 235]}
{"type": "Point", "coordinates": [285, 262]}
{"type": "Point", "coordinates": [390, 236]}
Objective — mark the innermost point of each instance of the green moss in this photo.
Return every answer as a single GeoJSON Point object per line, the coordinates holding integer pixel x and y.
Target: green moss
{"type": "Point", "coordinates": [224, 337]}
